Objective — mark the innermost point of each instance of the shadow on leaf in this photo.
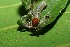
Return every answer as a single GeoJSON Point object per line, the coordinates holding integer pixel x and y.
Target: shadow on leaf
{"type": "Point", "coordinates": [22, 11]}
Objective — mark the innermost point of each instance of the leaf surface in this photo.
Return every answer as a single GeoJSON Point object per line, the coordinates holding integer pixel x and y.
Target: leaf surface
{"type": "Point", "coordinates": [58, 36]}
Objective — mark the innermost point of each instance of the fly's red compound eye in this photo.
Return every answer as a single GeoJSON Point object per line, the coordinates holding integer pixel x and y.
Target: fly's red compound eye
{"type": "Point", "coordinates": [35, 21]}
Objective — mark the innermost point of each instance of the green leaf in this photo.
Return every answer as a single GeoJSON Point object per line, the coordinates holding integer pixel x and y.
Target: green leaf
{"type": "Point", "coordinates": [58, 36]}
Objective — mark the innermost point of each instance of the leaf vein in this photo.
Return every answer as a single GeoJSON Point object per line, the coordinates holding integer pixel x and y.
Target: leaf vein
{"type": "Point", "coordinates": [67, 12]}
{"type": "Point", "coordinates": [6, 28]}
{"type": "Point", "coordinates": [10, 5]}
